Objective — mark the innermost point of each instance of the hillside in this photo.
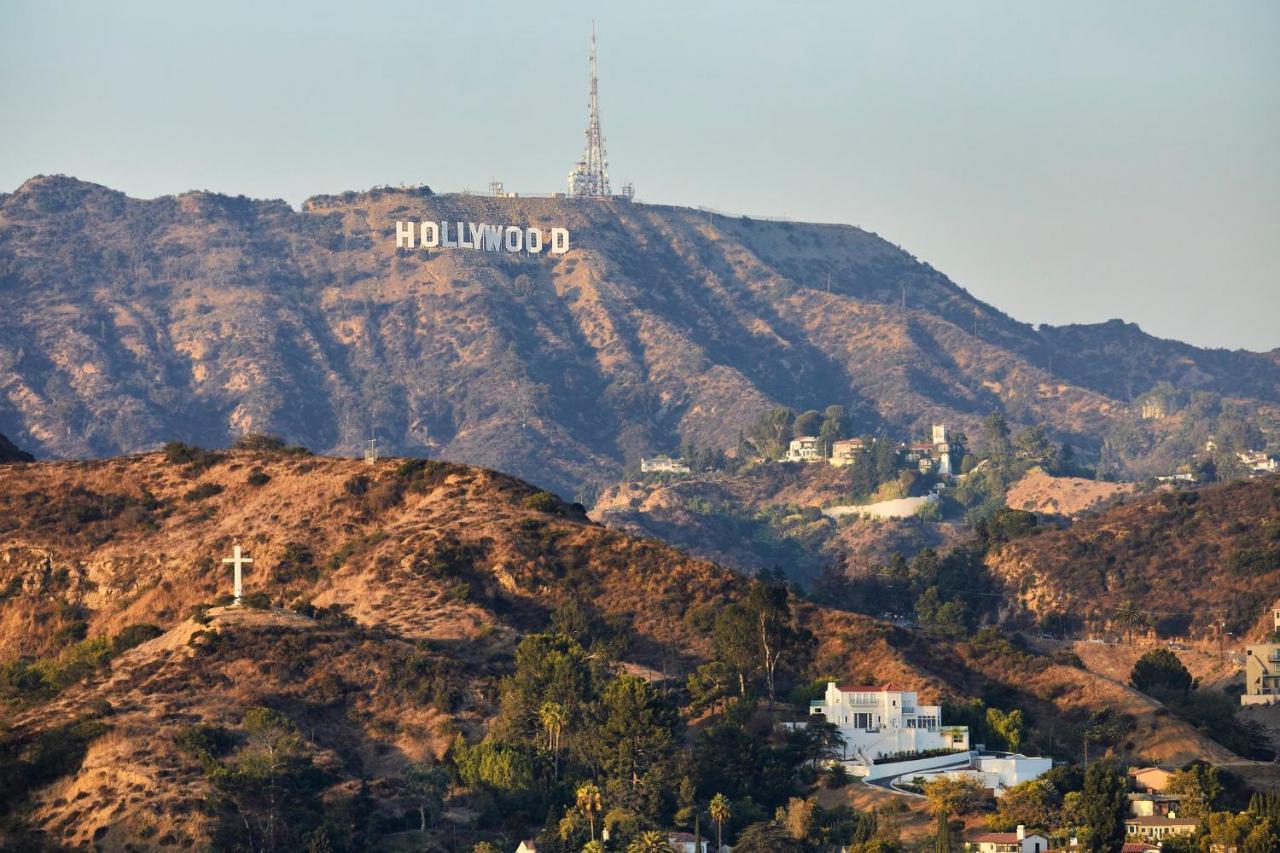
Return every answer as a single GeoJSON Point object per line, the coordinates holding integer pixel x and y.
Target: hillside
{"type": "Point", "coordinates": [766, 516]}
{"type": "Point", "coordinates": [410, 585]}
{"type": "Point", "coordinates": [200, 317]}
{"type": "Point", "coordinates": [1187, 558]}
{"type": "Point", "coordinates": [1048, 495]}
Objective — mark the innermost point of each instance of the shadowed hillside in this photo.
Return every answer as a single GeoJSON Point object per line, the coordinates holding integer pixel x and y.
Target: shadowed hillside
{"type": "Point", "coordinates": [201, 317]}
{"type": "Point", "coordinates": [10, 453]}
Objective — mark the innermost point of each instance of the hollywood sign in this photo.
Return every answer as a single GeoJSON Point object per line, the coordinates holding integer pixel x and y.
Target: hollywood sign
{"type": "Point", "coordinates": [480, 235]}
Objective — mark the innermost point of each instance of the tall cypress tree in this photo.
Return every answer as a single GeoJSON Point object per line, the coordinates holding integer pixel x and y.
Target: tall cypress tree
{"type": "Point", "coordinates": [943, 843]}
{"type": "Point", "coordinates": [1104, 805]}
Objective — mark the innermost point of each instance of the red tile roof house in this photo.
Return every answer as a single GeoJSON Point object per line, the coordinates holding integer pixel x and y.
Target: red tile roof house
{"type": "Point", "coordinates": [1008, 842]}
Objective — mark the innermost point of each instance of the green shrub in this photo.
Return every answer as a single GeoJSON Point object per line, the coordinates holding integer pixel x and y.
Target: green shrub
{"type": "Point", "coordinates": [258, 477]}
{"type": "Point", "coordinates": [202, 741]}
{"type": "Point", "coordinates": [542, 502]}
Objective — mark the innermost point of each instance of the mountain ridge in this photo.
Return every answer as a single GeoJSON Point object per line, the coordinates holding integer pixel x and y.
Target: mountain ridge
{"type": "Point", "coordinates": [202, 316]}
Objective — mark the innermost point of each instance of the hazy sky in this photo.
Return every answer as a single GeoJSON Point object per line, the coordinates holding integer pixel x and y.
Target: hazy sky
{"type": "Point", "coordinates": [1067, 162]}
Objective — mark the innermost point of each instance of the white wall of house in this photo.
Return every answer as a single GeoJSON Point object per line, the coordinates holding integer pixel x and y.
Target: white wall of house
{"type": "Point", "coordinates": [878, 721]}
{"type": "Point", "coordinates": [1010, 770]}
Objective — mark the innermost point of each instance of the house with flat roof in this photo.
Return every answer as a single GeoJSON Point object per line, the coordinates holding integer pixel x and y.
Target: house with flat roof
{"type": "Point", "coordinates": [663, 464]}
{"type": "Point", "coordinates": [1158, 828]}
{"type": "Point", "coordinates": [1261, 674]}
{"type": "Point", "coordinates": [878, 721]}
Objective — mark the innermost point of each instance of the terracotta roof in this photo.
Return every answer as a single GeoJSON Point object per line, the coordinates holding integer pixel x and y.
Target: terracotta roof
{"type": "Point", "coordinates": [997, 838]}
{"type": "Point", "coordinates": [864, 688]}
{"type": "Point", "coordinates": [1137, 847]}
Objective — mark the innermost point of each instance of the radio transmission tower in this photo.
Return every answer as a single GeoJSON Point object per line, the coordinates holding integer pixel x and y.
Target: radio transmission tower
{"type": "Point", "coordinates": [590, 177]}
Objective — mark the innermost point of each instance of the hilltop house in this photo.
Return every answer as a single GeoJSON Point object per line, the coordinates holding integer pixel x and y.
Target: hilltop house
{"type": "Point", "coordinates": [880, 721]}
{"type": "Point", "coordinates": [663, 464]}
{"type": "Point", "coordinates": [843, 452]}
{"type": "Point", "coordinates": [806, 448]}
{"type": "Point", "coordinates": [1008, 842]}
{"type": "Point", "coordinates": [527, 846]}
{"type": "Point", "coordinates": [1261, 674]}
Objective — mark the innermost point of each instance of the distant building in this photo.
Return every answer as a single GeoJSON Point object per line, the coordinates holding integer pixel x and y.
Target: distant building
{"type": "Point", "coordinates": [843, 452]}
{"type": "Point", "coordinates": [686, 842]}
{"type": "Point", "coordinates": [663, 464]}
{"type": "Point", "coordinates": [806, 448]}
{"type": "Point", "coordinates": [997, 773]}
{"type": "Point", "coordinates": [1151, 780]}
{"type": "Point", "coordinates": [878, 721]}
{"type": "Point", "coordinates": [939, 434]}
{"type": "Point", "coordinates": [1261, 674]}
{"type": "Point", "coordinates": [1153, 409]}
{"type": "Point", "coordinates": [1275, 616]}
{"type": "Point", "coordinates": [1258, 461]}
{"type": "Point", "coordinates": [1153, 805]}
{"type": "Point", "coordinates": [1158, 828]}
{"type": "Point", "coordinates": [1008, 842]}
{"type": "Point", "coordinates": [527, 846]}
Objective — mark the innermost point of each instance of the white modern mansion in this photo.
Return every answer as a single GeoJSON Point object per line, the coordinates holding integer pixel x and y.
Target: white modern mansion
{"type": "Point", "coordinates": [880, 721]}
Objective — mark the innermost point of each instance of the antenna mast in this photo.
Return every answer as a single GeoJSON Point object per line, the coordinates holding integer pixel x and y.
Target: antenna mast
{"type": "Point", "coordinates": [590, 177]}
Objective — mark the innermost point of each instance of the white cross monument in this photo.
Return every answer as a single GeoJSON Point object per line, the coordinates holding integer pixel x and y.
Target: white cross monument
{"type": "Point", "coordinates": [237, 560]}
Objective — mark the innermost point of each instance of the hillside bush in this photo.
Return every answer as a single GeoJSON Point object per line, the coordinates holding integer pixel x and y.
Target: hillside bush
{"type": "Point", "coordinates": [258, 477]}
{"type": "Point", "coordinates": [194, 457]}
{"type": "Point", "coordinates": [542, 502]}
{"type": "Point", "coordinates": [134, 635]}
{"type": "Point", "coordinates": [260, 441]}
{"type": "Point", "coordinates": [202, 491]}
{"type": "Point", "coordinates": [257, 601]}
{"type": "Point", "coordinates": [1160, 673]}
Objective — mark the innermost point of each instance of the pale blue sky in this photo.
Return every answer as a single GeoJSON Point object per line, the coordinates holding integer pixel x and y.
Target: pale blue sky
{"type": "Point", "coordinates": [1067, 162]}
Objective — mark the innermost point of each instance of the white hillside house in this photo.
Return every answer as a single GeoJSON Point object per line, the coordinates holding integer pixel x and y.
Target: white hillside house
{"type": "Point", "coordinates": [880, 721]}
{"type": "Point", "coordinates": [806, 448]}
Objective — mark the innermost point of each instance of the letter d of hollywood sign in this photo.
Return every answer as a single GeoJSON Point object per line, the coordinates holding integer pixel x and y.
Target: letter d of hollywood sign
{"type": "Point", "coordinates": [479, 235]}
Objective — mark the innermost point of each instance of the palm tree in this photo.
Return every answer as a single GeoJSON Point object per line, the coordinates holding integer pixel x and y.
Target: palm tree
{"type": "Point", "coordinates": [650, 842]}
{"type": "Point", "coordinates": [720, 812]}
{"type": "Point", "coordinates": [1130, 617]}
{"type": "Point", "coordinates": [553, 717]}
{"type": "Point", "coordinates": [590, 803]}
